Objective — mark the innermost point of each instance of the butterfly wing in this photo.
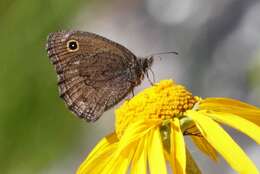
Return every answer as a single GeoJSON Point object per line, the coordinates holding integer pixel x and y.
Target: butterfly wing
{"type": "Point", "coordinates": [93, 77]}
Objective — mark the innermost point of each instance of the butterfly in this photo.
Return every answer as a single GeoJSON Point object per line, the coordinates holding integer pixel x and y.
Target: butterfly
{"type": "Point", "coordinates": [94, 73]}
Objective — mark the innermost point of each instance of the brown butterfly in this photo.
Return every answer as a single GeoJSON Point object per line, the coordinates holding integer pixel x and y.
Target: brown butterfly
{"type": "Point", "coordinates": [94, 73]}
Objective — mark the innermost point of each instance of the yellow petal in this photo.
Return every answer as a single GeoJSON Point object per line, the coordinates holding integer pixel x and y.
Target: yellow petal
{"type": "Point", "coordinates": [243, 125]}
{"type": "Point", "coordinates": [97, 164]}
{"type": "Point", "coordinates": [119, 160]}
{"type": "Point", "coordinates": [236, 107]}
{"type": "Point", "coordinates": [139, 163]}
{"type": "Point", "coordinates": [177, 151]}
{"type": "Point", "coordinates": [109, 139]}
{"type": "Point", "coordinates": [95, 160]}
{"type": "Point", "coordinates": [192, 167]}
{"type": "Point", "coordinates": [129, 140]}
{"type": "Point", "coordinates": [155, 153]}
{"type": "Point", "coordinates": [200, 141]}
{"type": "Point", "coordinates": [205, 147]}
{"type": "Point", "coordinates": [137, 130]}
{"type": "Point", "coordinates": [223, 143]}
{"type": "Point", "coordinates": [118, 164]}
{"type": "Point", "coordinates": [122, 163]}
{"type": "Point", "coordinates": [226, 102]}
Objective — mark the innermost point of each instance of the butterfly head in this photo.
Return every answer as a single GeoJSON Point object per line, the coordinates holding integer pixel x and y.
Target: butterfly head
{"type": "Point", "coordinates": [146, 64]}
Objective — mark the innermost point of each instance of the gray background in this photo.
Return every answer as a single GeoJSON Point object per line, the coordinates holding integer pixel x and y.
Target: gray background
{"type": "Point", "coordinates": [219, 55]}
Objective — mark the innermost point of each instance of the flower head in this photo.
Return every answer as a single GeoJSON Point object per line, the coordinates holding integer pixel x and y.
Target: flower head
{"type": "Point", "coordinates": [149, 129]}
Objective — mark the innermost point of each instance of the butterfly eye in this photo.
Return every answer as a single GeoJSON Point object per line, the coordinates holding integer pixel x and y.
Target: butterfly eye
{"type": "Point", "coordinates": [72, 45]}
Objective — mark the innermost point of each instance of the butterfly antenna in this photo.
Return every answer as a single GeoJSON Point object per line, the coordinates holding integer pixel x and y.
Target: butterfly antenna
{"type": "Point", "coordinates": [160, 53]}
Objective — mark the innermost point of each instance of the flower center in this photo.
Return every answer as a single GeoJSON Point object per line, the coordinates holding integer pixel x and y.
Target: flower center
{"type": "Point", "coordinates": [164, 100]}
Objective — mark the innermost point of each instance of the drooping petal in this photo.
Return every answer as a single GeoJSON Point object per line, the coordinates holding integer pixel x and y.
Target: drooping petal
{"type": "Point", "coordinates": [105, 142]}
{"type": "Point", "coordinates": [236, 107]}
{"type": "Point", "coordinates": [192, 167]}
{"type": "Point", "coordinates": [239, 123]}
{"type": "Point", "coordinates": [122, 163]}
{"type": "Point", "coordinates": [137, 130]}
{"type": "Point", "coordinates": [129, 141]}
{"type": "Point", "coordinates": [223, 143]}
{"type": "Point", "coordinates": [205, 147]}
{"type": "Point", "coordinates": [99, 155]}
{"type": "Point", "coordinates": [177, 151]}
{"type": "Point", "coordinates": [201, 143]}
{"type": "Point", "coordinates": [97, 164]}
{"type": "Point", "coordinates": [156, 158]}
{"type": "Point", "coordinates": [139, 163]}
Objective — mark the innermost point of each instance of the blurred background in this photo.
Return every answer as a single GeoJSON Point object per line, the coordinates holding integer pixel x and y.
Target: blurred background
{"type": "Point", "coordinates": [219, 55]}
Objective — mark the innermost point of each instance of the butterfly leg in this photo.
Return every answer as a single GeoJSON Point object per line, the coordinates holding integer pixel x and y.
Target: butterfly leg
{"type": "Point", "coordinates": [133, 84]}
{"type": "Point", "coordinates": [133, 92]}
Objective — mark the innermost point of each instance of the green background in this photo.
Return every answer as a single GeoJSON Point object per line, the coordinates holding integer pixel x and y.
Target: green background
{"type": "Point", "coordinates": [35, 128]}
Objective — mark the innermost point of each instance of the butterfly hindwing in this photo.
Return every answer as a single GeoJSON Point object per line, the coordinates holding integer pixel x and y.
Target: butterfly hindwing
{"type": "Point", "coordinates": [94, 73]}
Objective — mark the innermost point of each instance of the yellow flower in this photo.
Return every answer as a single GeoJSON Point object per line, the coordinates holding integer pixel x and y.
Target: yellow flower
{"type": "Point", "coordinates": [149, 131]}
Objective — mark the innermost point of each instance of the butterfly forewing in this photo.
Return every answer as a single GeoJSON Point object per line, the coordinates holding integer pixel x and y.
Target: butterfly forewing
{"type": "Point", "coordinates": [94, 73]}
